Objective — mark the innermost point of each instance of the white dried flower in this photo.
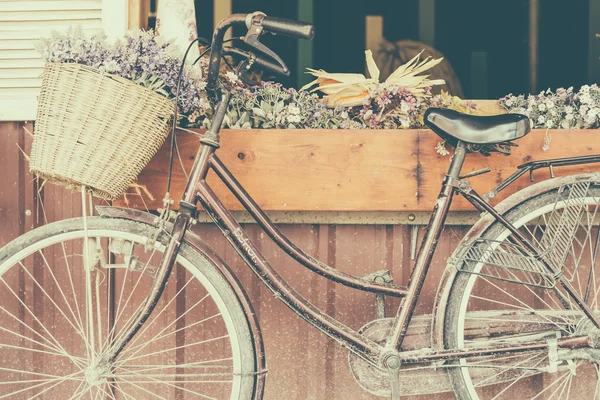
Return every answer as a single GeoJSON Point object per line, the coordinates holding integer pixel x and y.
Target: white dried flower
{"type": "Point", "coordinates": [294, 110]}
{"type": "Point", "coordinates": [233, 78]}
{"type": "Point", "coordinates": [440, 148]}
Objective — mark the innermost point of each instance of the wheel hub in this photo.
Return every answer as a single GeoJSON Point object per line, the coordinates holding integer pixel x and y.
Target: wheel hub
{"type": "Point", "coordinates": [96, 375]}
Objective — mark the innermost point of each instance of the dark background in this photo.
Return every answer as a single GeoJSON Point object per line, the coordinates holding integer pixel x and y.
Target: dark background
{"type": "Point", "coordinates": [486, 42]}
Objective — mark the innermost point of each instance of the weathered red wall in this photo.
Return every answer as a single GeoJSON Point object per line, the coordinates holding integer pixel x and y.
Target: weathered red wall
{"type": "Point", "coordinates": [303, 363]}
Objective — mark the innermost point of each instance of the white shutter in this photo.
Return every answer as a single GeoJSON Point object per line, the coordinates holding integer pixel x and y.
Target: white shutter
{"type": "Point", "coordinates": [22, 22]}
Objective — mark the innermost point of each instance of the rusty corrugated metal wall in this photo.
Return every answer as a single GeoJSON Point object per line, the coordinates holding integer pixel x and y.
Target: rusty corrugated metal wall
{"type": "Point", "coordinates": [303, 363]}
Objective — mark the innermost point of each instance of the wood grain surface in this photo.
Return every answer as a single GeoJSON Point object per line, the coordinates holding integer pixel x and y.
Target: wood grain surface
{"type": "Point", "coordinates": [354, 170]}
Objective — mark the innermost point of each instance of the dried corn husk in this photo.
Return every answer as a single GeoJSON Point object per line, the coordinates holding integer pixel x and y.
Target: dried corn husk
{"type": "Point", "coordinates": [353, 89]}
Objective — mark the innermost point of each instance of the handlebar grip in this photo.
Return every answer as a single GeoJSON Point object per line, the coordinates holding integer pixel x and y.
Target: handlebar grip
{"type": "Point", "coordinates": [288, 27]}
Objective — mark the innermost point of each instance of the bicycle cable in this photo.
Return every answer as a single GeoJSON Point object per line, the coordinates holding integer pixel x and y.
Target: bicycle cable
{"type": "Point", "coordinates": [174, 147]}
{"type": "Point", "coordinates": [175, 106]}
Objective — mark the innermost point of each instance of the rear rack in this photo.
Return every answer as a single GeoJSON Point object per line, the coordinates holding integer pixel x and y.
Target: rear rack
{"type": "Point", "coordinates": [533, 165]}
{"type": "Point", "coordinates": [504, 261]}
{"type": "Point", "coordinates": [552, 237]}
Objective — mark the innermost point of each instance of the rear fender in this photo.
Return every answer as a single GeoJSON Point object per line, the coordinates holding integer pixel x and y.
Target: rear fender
{"type": "Point", "coordinates": [196, 242]}
{"type": "Point", "coordinates": [447, 280]}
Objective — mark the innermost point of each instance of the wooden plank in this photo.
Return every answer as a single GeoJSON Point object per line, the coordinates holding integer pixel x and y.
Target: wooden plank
{"type": "Point", "coordinates": [345, 170]}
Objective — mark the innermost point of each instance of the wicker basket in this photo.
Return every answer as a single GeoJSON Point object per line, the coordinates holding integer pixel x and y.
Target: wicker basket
{"type": "Point", "coordinates": [96, 129]}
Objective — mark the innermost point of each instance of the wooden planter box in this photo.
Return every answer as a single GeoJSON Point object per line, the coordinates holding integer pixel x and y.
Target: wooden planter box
{"type": "Point", "coordinates": [356, 170]}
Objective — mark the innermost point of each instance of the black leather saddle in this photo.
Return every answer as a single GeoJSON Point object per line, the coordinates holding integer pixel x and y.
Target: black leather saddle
{"type": "Point", "coordinates": [453, 126]}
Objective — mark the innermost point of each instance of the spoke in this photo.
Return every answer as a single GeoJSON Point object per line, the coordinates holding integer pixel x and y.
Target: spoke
{"type": "Point", "coordinates": [175, 386]}
{"type": "Point", "coordinates": [127, 324]}
{"type": "Point", "coordinates": [80, 319]}
{"type": "Point", "coordinates": [32, 373]}
{"type": "Point", "coordinates": [108, 393]}
{"type": "Point", "coordinates": [50, 343]}
{"type": "Point", "coordinates": [61, 312]}
{"type": "Point", "coordinates": [51, 387]}
{"type": "Point", "coordinates": [98, 309]}
{"type": "Point", "coordinates": [569, 386]}
{"type": "Point", "coordinates": [557, 380]}
{"type": "Point", "coordinates": [117, 312]}
{"type": "Point", "coordinates": [197, 364]}
{"type": "Point", "coordinates": [55, 351]}
{"type": "Point", "coordinates": [144, 389]}
{"type": "Point", "coordinates": [56, 378]}
{"type": "Point", "coordinates": [524, 306]}
{"type": "Point", "coordinates": [143, 345]}
{"type": "Point", "coordinates": [77, 392]}
{"type": "Point", "coordinates": [121, 362]}
{"type": "Point", "coordinates": [148, 324]}
{"type": "Point", "coordinates": [49, 269]}
{"type": "Point", "coordinates": [156, 337]}
{"type": "Point", "coordinates": [10, 346]}
{"type": "Point", "coordinates": [141, 275]}
{"type": "Point", "coordinates": [120, 389]}
{"type": "Point", "coordinates": [504, 368]}
{"type": "Point", "coordinates": [181, 329]}
{"type": "Point", "coordinates": [562, 381]}
{"type": "Point", "coordinates": [34, 317]}
{"type": "Point", "coordinates": [89, 307]}
{"type": "Point", "coordinates": [97, 395]}
{"type": "Point", "coordinates": [519, 378]}
{"type": "Point", "coordinates": [154, 380]}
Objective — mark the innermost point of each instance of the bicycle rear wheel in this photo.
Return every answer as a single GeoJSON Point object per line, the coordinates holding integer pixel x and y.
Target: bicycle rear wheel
{"type": "Point", "coordinates": [501, 296]}
{"type": "Point", "coordinates": [59, 311]}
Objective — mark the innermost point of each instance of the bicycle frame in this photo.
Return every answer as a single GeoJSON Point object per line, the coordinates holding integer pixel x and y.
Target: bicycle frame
{"type": "Point", "coordinates": [198, 190]}
{"type": "Point", "coordinates": [390, 355]}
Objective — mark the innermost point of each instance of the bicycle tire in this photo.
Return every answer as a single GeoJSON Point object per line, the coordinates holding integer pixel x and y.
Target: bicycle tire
{"type": "Point", "coordinates": [177, 380]}
{"type": "Point", "coordinates": [472, 295]}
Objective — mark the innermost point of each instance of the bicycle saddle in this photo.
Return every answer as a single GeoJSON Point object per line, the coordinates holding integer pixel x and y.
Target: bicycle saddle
{"type": "Point", "coordinates": [452, 126]}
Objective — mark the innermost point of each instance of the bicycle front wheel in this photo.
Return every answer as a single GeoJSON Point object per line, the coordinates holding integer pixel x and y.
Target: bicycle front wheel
{"type": "Point", "coordinates": [66, 293]}
{"type": "Point", "coordinates": [502, 295]}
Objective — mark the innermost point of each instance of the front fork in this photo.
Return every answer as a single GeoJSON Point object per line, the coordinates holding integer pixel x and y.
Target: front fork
{"type": "Point", "coordinates": [187, 205]}
{"type": "Point", "coordinates": [161, 278]}
{"type": "Point", "coordinates": [182, 222]}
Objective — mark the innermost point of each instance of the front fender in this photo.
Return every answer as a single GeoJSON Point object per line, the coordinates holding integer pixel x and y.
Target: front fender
{"type": "Point", "coordinates": [443, 291]}
{"type": "Point", "coordinates": [196, 242]}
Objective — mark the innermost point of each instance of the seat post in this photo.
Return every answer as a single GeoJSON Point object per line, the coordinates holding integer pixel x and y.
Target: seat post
{"type": "Point", "coordinates": [458, 160]}
{"type": "Point", "coordinates": [425, 254]}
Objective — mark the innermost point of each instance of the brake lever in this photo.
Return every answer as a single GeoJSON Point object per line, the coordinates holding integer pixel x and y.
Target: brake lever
{"type": "Point", "coordinates": [252, 40]}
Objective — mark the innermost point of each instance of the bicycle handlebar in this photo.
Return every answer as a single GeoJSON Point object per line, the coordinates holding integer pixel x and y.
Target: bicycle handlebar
{"type": "Point", "coordinates": [288, 27]}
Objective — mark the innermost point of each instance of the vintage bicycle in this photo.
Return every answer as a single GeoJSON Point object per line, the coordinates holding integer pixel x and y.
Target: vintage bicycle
{"type": "Point", "coordinates": [145, 309]}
